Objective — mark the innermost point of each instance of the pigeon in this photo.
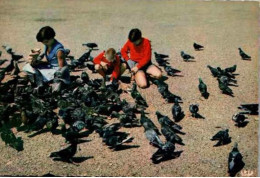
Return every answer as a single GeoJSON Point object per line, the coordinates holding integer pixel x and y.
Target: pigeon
{"type": "Point", "coordinates": [239, 119]}
{"type": "Point", "coordinates": [52, 124]}
{"type": "Point", "coordinates": [222, 137]}
{"type": "Point", "coordinates": [226, 80]}
{"type": "Point", "coordinates": [72, 135]}
{"type": "Point", "coordinates": [117, 139]}
{"type": "Point", "coordinates": [167, 151]}
{"type": "Point", "coordinates": [16, 69]}
{"type": "Point", "coordinates": [91, 67]}
{"type": "Point", "coordinates": [10, 66]}
{"type": "Point", "coordinates": [203, 89]}
{"type": "Point", "coordinates": [162, 86]}
{"type": "Point", "coordinates": [171, 71]}
{"type": "Point", "coordinates": [3, 61]}
{"type": "Point", "coordinates": [65, 154]}
{"type": "Point", "coordinates": [153, 137]}
{"type": "Point", "coordinates": [243, 55]}
{"type": "Point", "coordinates": [78, 125]}
{"type": "Point", "coordinates": [170, 135]}
{"type": "Point", "coordinates": [157, 55]}
{"type": "Point", "coordinates": [177, 112]}
{"type": "Point", "coordinates": [16, 57]}
{"type": "Point", "coordinates": [137, 96]}
{"type": "Point", "coordinates": [39, 123]}
{"type": "Point", "coordinates": [251, 109]}
{"type": "Point", "coordinates": [231, 69]}
{"type": "Point", "coordinates": [166, 120]}
{"type": "Point", "coordinates": [214, 71]}
{"type": "Point", "coordinates": [235, 162]}
{"type": "Point", "coordinates": [147, 123]}
{"type": "Point", "coordinates": [224, 88]}
{"type": "Point", "coordinates": [186, 57]}
{"type": "Point", "coordinates": [198, 47]}
{"type": "Point", "coordinates": [9, 138]}
{"type": "Point", "coordinates": [160, 59]}
{"type": "Point", "coordinates": [84, 76]}
{"type": "Point", "coordinates": [225, 73]}
{"type": "Point", "coordinates": [90, 45]}
{"type": "Point", "coordinates": [110, 129]}
{"type": "Point", "coordinates": [8, 49]}
{"type": "Point", "coordinates": [194, 108]}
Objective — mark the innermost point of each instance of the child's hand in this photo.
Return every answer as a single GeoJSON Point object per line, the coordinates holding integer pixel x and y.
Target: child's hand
{"type": "Point", "coordinates": [104, 65]}
{"type": "Point", "coordinates": [32, 59]}
{"type": "Point", "coordinates": [134, 69]}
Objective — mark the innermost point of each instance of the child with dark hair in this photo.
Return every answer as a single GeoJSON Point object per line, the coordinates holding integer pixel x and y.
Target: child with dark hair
{"type": "Point", "coordinates": [139, 60]}
{"type": "Point", "coordinates": [108, 63]}
{"type": "Point", "coordinates": [54, 53]}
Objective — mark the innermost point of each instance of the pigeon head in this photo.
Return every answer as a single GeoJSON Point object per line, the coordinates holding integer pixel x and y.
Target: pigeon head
{"type": "Point", "coordinates": [158, 114]}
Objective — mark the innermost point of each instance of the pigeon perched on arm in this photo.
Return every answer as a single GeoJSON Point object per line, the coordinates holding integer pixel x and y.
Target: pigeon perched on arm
{"type": "Point", "coordinates": [186, 57]}
{"type": "Point", "coordinates": [203, 89]}
{"type": "Point", "coordinates": [243, 55]}
{"type": "Point", "coordinates": [198, 47]}
{"type": "Point", "coordinates": [235, 162]}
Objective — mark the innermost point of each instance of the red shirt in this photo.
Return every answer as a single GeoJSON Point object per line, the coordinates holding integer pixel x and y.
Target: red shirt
{"type": "Point", "coordinates": [140, 54]}
{"type": "Point", "coordinates": [115, 65]}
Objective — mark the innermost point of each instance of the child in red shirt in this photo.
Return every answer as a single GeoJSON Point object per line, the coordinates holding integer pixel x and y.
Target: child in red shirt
{"type": "Point", "coordinates": [139, 60]}
{"type": "Point", "coordinates": [107, 63]}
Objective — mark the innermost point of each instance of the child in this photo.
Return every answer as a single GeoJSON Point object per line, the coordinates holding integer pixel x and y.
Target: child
{"type": "Point", "coordinates": [107, 63]}
{"type": "Point", "coordinates": [140, 58]}
{"type": "Point", "coordinates": [54, 53]}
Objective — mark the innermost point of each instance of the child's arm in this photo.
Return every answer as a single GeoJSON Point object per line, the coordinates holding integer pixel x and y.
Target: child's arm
{"type": "Point", "coordinates": [124, 51]}
{"type": "Point", "coordinates": [61, 58]}
{"type": "Point", "coordinates": [116, 71]}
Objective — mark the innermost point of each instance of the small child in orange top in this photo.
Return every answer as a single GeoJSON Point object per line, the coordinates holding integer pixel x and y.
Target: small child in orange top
{"type": "Point", "coordinates": [139, 60]}
{"type": "Point", "coordinates": [107, 63]}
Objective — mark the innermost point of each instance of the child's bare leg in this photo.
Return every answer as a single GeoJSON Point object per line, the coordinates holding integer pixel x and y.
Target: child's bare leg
{"type": "Point", "coordinates": [140, 79]}
{"type": "Point", "coordinates": [154, 72]}
{"type": "Point", "coordinates": [100, 70]}
{"type": "Point", "coordinates": [122, 68]}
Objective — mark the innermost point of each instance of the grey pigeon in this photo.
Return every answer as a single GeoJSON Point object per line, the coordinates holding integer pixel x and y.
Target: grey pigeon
{"type": "Point", "coordinates": [186, 57]}
{"type": "Point", "coordinates": [243, 55]}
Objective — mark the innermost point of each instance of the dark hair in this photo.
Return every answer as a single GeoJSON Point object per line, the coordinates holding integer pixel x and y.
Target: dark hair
{"type": "Point", "coordinates": [134, 34]}
{"type": "Point", "coordinates": [45, 33]}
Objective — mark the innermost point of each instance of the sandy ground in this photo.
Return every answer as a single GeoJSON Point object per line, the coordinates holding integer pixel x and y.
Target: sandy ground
{"type": "Point", "coordinates": [171, 26]}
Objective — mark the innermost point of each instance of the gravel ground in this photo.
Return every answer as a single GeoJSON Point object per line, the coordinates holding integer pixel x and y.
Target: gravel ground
{"type": "Point", "coordinates": [172, 26]}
